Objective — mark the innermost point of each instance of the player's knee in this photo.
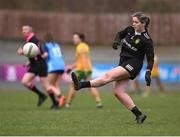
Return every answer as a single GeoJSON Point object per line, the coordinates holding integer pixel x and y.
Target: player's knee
{"type": "Point", "coordinates": [115, 94]}
{"type": "Point", "coordinates": [45, 85]}
{"type": "Point", "coordinates": [72, 94]}
{"type": "Point", "coordinates": [119, 94]}
{"type": "Point", "coordinates": [52, 83]}
{"type": "Point", "coordinates": [46, 88]}
{"type": "Point", "coordinates": [24, 83]}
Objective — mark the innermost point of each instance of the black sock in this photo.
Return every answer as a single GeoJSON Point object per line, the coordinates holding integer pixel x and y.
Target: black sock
{"type": "Point", "coordinates": [37, 91]}
{"type": "Point", "coordinates": [85, 84]}
{"type": "Point", "coordinates": [51, 95]}
{"type": "Point", "coordinates": [136, 111]}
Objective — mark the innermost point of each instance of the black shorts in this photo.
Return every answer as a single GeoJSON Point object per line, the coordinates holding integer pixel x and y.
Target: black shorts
{"type": "Point", "coordinates": [132, 65]}
{"type": "Point", "coordinates": [39, 68]}
{"type": "Point", "coordinates": [58, 72]}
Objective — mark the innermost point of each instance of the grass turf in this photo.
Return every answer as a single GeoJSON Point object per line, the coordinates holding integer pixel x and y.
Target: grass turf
{"type": "Point", "coordinates": [20, 116]}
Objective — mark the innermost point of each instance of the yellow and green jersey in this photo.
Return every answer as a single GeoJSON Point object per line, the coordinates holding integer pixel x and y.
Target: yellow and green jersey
{"type": "Point", "coordinates": [82, 49]}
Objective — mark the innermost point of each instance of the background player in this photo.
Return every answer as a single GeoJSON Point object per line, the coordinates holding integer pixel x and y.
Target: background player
{"type": "Point", "coordinates": [55, 63]}
{"type": "Point", "coordinates": [36, 67]}
{"type": "Point", "coordinates": [83, 68]}
{"type": "Point", "coordinates": [155, 75]}
{"type": "Point", "coordinates": [136, 42]}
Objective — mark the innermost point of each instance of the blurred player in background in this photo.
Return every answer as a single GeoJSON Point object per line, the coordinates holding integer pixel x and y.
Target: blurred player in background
{"type": "Point", "coordinates": [56, 66]}
{"type": "Point", "coordinates": [83, 68]}
{"type": "Point", "coordinates": [136, 43]}
{"type": "Point", "coordinates": [36, 67]}
{"type": "Point", "coordinates": [155, 75]}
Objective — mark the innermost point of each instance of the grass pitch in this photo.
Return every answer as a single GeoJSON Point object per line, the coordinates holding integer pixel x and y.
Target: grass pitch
{"type": "Point", "coordinates": [20, 116]}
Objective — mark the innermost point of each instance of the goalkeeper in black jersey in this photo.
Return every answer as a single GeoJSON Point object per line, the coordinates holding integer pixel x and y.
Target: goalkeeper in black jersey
{"type": "Point", "coordinates": [135, 43]}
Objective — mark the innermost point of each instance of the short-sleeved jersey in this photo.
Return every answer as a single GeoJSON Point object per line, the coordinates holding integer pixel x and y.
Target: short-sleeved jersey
{"type": "Point", "coordinates": [82, 49]}
{"type": "Point", "coordinates": [55, 59]}
{"type": "Point", "coordinates": [136, 45]}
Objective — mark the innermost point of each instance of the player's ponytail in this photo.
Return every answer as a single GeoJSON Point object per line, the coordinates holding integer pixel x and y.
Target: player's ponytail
{"type": "Point", "coordinates": [143, 18]}
{"type": "Point", "coordinates": [147, 21]}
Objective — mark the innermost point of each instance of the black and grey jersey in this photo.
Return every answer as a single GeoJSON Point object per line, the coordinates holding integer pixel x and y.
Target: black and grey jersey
{"type": "Point", "coordinates": [136, 45]}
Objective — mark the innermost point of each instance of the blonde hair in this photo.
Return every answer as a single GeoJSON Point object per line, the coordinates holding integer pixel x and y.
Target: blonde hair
{"type": "Point", "coordinates": [143, 18]}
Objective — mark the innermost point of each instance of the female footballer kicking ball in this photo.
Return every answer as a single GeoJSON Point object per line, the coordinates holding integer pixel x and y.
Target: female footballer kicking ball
{"type": "Point", "coordinates": [56, 66]}
{"type": "Point", "coordinates": [36, 67]}
{"type": "Point", "coordinates": [136, 43]}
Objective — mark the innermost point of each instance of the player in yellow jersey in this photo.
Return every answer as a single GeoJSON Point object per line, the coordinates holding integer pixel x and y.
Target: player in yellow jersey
{"type": "Point", "coordinates": [83, 68]}
{"type": "Point", "coordinates": [156, 76]}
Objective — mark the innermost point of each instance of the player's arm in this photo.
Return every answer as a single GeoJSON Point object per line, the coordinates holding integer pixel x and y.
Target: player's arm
{"type": "Point", "coordinates": [155, 59]}
{"type": "Point", "coordinates": [36, 41]}
{"type": "Point", "coordinates": [119, 36]}
{"type": "Point", "coordinates": [20, 51]}
{"type": "Point", "coordinates": [44, 52]}
{"type": "Point", "coordinates": [149, 55]}
{"type": "Point", "coordinates": [44, 55]}
{"type": "Point", "coordinates": [150, 61]}
{"type": "Point", "coordinates": [70, 67]}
